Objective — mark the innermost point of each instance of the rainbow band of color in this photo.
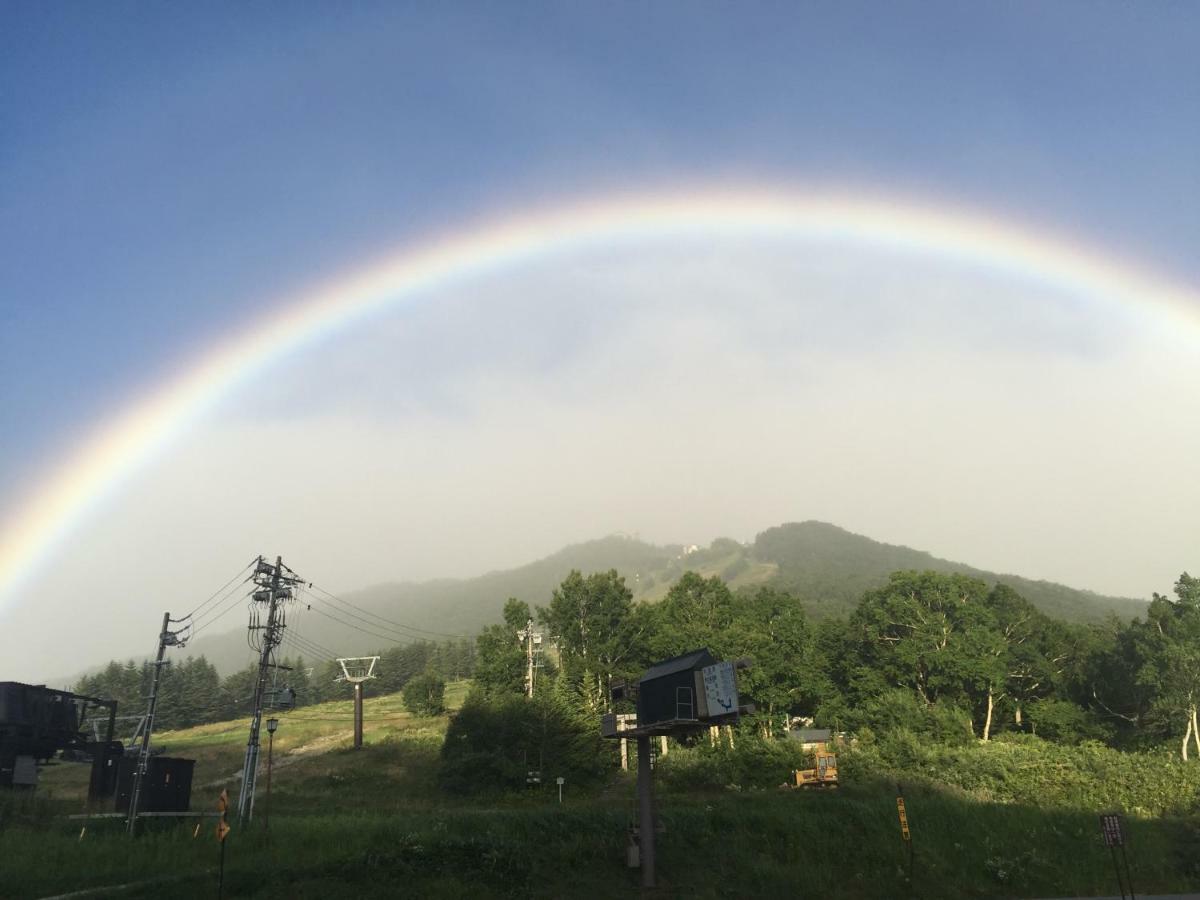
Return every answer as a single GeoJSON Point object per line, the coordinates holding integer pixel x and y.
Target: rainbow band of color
{"type": "Point", "coordinates": [143, 431]}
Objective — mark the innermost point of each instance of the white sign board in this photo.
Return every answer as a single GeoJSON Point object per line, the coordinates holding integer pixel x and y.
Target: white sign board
{"type": "Point", "coordinates": [720, 689]}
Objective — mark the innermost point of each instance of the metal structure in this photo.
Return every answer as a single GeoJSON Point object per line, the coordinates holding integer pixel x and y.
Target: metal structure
{"type": "Point", "coordinates": [824, 773]}
{"type": "Point", "coordinates": [272, 724]}
{"type": "Point", "coordinates": [533, 653]}
{"type": "Point", "coordinates": [166, 638]}
{"type": "Point", "coordinates": [274, 590]}
{"type": "Point", "coordinates": [676, 697]}
{"type": "Point", "coordinates": [37, 723]}
{"type": "Point", "coordinates": [356, 670]}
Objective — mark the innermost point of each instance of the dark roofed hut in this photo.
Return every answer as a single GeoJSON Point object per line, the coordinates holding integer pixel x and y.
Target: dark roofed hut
{"type": "Point", "coordinates": [667, 691]}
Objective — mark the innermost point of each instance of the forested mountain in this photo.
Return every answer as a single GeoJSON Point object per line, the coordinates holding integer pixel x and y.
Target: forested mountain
{"type": "Point", "coordinates": [826, 567]}
{"type": "Point", "coordinates": [829, 568]}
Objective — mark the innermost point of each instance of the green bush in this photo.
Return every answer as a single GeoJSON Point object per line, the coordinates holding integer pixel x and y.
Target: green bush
{"type": "Point", "coordinates": [754, 762]}
{"type": "Point", "coordinates": [1028, 770]}
{"type": "Point", "coordinates": [425, 695]}
{"type": "Point", "coordinates": [496, 739]}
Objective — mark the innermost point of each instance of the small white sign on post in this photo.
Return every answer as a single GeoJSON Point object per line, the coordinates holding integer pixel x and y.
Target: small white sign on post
{"type": "Point", "coordinates": [720, 689]}
{"type": "Point", "coordinates": [561, 781]}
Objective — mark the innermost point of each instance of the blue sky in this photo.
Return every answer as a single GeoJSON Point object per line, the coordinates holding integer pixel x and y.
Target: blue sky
{"type": "Point", "coordinates": [169, 170]}
{"type": "Point", "coordinates": [165, 168]}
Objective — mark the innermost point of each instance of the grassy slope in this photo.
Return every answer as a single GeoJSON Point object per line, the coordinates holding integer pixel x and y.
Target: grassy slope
{"type": "Point", "coordinates": [372, 824]}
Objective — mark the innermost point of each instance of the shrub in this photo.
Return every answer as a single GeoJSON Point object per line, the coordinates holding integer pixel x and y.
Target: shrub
{"type": "Point", "coordinates": [425, 695]}
{"type": "Point", "coordinates": [495, 739]}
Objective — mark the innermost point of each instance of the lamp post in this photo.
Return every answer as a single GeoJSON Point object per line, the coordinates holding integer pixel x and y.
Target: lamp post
{"type": "Point", "coordinates": [272, 724]}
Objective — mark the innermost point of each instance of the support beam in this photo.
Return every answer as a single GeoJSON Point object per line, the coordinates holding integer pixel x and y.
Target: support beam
{"type": "Point", "coordinates": [645, 787]}
{"type": "Point", "coordinates": [358, 694]}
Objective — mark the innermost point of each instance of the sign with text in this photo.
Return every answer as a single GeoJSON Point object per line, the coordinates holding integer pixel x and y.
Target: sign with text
{"type": "Point", "coordinates": [904, 832]}
{"type": "Point", "coordinates": [720, 689]}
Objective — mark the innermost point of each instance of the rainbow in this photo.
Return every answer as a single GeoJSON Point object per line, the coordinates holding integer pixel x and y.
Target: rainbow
{"type": "Point", "coordinates": [129, 439]}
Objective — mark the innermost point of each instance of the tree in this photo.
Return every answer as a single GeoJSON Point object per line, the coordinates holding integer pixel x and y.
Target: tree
{"type": "Point", "coordinates": [697, 612]}
{"type": "Point", "coordinates": [932, 632]}
{"type": "Point", "coordinates": [1170, 651]}
{"type": "Point", "coordinates": [770, 628]}
{"type": "Point", "coordinates": [495, 739]}
{"type": "Point", "coordinates": [593, 624]}
{"type": "Point", "coordinates": [425, 695]}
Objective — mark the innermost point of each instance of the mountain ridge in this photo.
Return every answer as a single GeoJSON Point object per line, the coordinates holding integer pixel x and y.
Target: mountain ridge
{"type": "Point", "coordinates": [827, 567]}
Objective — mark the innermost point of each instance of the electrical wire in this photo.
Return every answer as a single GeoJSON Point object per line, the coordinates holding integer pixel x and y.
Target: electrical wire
{"type": "Point", "coordinates": [299, 617]}
{"type": "Point", "coordinates": [385, 621]}
{"type": "Point", "coordinates": [222, 588]}
{"type": "Point", "coordinates": [212, 616]}
{"type": "Point", "coordinates": [302, 641]}
{"type": "Point", "coordinates": [392, 639]}
{"type": "Point", "coordinates": [308, 647]}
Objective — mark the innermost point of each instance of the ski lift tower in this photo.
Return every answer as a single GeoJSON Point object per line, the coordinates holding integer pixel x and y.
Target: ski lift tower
{"type": "Point", "coordinates": [356, 670]}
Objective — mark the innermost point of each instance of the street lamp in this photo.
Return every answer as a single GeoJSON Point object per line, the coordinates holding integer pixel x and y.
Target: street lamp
{"type": "Point", "coordinates": [272, 724]}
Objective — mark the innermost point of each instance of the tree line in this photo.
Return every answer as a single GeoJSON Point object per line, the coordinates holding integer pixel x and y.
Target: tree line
{"type": "Point", "coordinates": [937, 653]}
{"type": "Point", "coordinates": [192, 692]}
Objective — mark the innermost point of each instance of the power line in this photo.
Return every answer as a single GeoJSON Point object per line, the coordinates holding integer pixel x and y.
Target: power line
{"type": "Point", "coordinates": [384, 620]}
{"type": "Point", "coordinates": [223, 587]}
{"type": "Point", "coordinates": [393, 634]}
{"type": "Point", "coordinates": [301, 610]}
{"type": "Point", "coordinates": [391, 639]}
{"type": "Point", "coordinates": [209, 618]}
{"type": "Point", "coordinates": [308, 646]}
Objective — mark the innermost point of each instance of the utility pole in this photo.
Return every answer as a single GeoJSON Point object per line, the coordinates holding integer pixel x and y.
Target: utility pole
{"type": "Point", "coordinates": [275, 588]}
{"type": "Point", "coordinates": [529, 654]}
{"type": "Point", "coordinates": [166, 638]}
{"type": "Point", "coordinates": [532, 641]}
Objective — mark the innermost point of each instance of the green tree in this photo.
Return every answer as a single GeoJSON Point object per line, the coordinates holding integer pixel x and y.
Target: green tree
{"type": "Point", "coordinates": [697, 612]}
{"type": "Point", "coordinates": [1170, 651]}
{"type": "Point", "coordinates": [771, 629]}
{"type": "Point", "coordinates": [934, 634]}
{"type": "Point", "coordinates": [593, 624]}
{"type": "Point", "coordinates": [425, 694]}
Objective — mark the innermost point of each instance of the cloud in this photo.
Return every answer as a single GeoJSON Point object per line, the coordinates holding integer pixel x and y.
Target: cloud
{"type": "Point", "coordinates": [682, 393]}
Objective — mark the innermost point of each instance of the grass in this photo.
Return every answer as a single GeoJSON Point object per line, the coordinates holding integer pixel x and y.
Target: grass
{"type": "Point", "coordinates": [371, 823]}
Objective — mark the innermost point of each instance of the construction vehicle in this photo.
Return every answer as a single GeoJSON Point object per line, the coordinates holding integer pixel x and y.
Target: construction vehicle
{"type": "Point", "coordinates": [825, 775]}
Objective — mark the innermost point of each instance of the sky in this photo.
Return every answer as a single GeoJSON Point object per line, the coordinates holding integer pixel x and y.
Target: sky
{"type": "Point", "coordinates": [172, 175]}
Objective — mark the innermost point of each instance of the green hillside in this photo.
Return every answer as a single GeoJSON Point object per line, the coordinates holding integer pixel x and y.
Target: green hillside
{"type": "Point", "coordinates": [827, 567]}
{"type": "Point", "coordinates": [1001, 821]}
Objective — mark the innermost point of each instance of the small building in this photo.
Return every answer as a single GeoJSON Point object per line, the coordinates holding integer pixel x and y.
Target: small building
{"type": "Point", "coordinates": [167, 786]}
{"type": "Point", "coordinates": [667, 691]}
{"type": "Point", "coordinates": [812, 739]}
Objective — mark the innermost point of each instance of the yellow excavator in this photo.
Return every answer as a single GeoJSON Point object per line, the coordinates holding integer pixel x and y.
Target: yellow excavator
{"type": "Point", "coordinates": [825, 775]}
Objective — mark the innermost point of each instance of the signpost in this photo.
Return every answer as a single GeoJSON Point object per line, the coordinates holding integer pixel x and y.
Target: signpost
{"type": "Point", "coordinates": [223, 830]}
{"type": "Point", "coordinates": [1113, 832]}
{"type": "Point", "coordinates": [905, 834]}
{"type": "Point", "coordinates": [561, 781]}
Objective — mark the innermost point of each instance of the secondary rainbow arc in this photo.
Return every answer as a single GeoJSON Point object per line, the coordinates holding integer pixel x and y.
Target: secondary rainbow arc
{"type": "Point", "coordinates": [131, 438]}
